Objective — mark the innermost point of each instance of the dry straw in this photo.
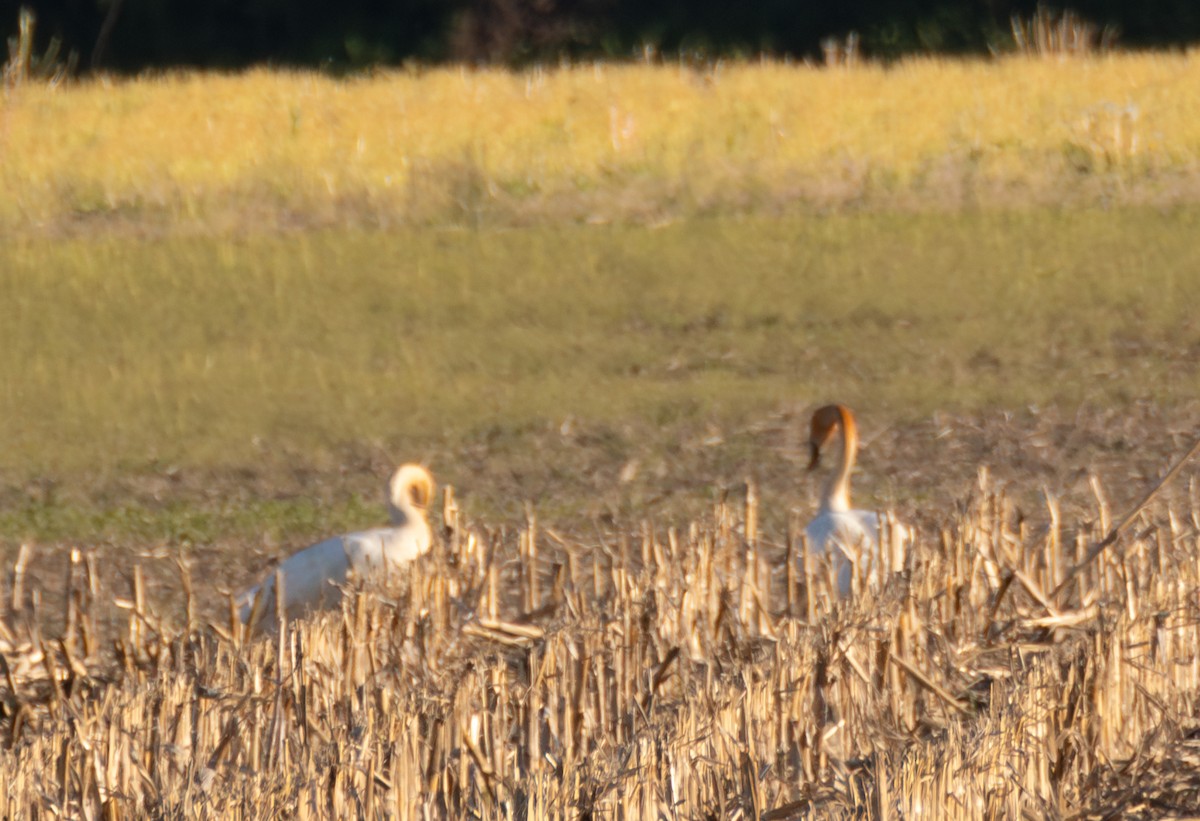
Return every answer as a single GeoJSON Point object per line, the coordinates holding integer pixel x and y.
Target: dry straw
{"type": "Point", "coordinates": [600, 142]}
{"type": "Point", "coordinates": [663, 672]}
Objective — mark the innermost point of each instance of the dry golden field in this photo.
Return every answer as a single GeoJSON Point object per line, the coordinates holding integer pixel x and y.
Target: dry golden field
{"type": "Point", "coordinates": [595, 142]}
{"type": "Point", "coordinates": [698, 671]}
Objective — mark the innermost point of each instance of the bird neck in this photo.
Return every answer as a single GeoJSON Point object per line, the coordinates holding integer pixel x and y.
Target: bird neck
{"type": "Point", "coordinates": [400, 514]}
{"type": "Point", "coordinates": [836, 497]}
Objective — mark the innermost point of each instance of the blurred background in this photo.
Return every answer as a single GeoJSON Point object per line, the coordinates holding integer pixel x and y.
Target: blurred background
{"type": "Point", "coordinates": [133, 35]}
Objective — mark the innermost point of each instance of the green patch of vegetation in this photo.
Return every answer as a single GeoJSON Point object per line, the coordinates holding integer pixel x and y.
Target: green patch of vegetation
{"type": "Point", "coordinates": [118, 353]}
{"type": "Point", "coordinates": [186, 523]}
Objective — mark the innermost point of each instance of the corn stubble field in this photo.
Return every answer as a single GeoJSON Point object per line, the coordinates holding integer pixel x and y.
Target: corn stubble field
{"type": "Point", "coordinates": [699, 672]}
{"type": "Point", "coordinates": [196, 381]}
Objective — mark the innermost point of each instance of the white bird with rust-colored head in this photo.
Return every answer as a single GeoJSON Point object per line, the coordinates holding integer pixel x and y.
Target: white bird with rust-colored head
{"type": "Point", "coordinates": [850, 536]}
{"type": "Point", "coordinates": [314, 577]}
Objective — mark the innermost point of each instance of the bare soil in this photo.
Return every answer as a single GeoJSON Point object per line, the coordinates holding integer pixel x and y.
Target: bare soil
{"type": "Point", "coordinates": [579, 479]}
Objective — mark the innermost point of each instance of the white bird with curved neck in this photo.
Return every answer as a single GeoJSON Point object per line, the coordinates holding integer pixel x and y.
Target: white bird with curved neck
{"type": "Point", "coordinates": [314, 577]}
{"type": "Point", "coordinates": [850, 536]}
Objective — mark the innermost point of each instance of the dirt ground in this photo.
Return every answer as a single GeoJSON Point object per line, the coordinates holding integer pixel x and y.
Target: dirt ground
{"type": "Point", "coordinates": [587, 484]}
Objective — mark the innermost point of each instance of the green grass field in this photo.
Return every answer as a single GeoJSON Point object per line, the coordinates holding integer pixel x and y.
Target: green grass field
{"type": "Point", "coordinates": [122, 352]}
{"type": "Point", "coordinates": [508, 352]}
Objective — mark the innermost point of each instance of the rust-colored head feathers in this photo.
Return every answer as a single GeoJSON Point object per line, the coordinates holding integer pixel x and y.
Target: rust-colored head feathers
{"type": "Point", "coordinates": [825, 421]}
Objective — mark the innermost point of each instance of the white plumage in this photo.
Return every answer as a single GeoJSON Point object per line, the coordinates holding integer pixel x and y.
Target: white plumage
{"type": "Point", "coordinates": [850, 536]}
{"type": "Point", "coordinates": [313, 578]}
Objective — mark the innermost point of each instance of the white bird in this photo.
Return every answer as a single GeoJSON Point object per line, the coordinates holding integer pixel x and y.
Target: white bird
{"type": "Point", "coordinates": [314, 577]}
{"type": "Point", "coordinates": [851, 535]}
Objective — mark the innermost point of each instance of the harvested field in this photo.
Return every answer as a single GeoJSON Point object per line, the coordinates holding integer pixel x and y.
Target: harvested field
{"type": "Point", "coordinates": [692, 671]}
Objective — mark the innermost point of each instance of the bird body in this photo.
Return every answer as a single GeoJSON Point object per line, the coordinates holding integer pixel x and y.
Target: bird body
{"type": "Point", "coordinates": [313, 578]}
{"type": "Point", "coordinates": [851, 537]}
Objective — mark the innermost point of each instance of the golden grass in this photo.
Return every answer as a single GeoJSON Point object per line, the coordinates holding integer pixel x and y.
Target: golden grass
{"type": "Point", "coordinates": [595, 141]}
{"type": "Point", "coordinates": [672, 672]}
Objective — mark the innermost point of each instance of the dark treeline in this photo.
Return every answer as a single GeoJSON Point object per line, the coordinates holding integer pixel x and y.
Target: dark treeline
{"type": "Point", "coordinates": [130, 35]}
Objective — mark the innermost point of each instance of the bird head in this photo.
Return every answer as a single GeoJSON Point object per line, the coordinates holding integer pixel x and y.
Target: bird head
{"type": "Point", "coordinates": [824, 422]}
{"type": "Point", "coordinates": [411, 484]}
